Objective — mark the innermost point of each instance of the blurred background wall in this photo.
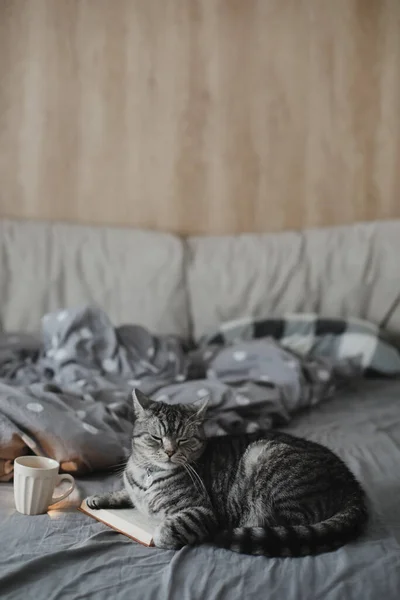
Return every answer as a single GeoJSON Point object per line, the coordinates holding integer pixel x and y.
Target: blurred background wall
{"type": "Point", "coordinates": [200, 116]}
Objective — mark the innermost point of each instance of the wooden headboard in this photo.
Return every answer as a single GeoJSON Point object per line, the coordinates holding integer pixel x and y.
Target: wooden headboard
{"type": "Point", "coordinates": [200, 116]}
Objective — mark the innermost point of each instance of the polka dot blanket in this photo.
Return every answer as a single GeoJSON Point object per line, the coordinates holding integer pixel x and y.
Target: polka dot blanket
{"type": "Point", "coordinates": [68, 394]}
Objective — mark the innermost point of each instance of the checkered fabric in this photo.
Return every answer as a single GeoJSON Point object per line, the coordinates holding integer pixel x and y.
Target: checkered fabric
{"type": "Point", "coordinates": [312, 335]}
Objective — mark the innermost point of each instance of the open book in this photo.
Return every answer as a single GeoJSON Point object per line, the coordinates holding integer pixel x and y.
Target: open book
{"type": "Point", "coordinates": [128, 521]}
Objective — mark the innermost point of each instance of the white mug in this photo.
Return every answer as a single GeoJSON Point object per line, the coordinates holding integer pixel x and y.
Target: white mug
{"type": "Point", "coordinates": [35, 478]}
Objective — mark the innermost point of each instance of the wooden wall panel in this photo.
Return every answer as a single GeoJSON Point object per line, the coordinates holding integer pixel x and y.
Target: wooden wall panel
{"type": "Point", "coordinates": [200, 116]}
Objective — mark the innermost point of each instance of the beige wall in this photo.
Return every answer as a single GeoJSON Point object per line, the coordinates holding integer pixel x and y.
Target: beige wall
{"type": "Point", "coordinates": [200, 115]}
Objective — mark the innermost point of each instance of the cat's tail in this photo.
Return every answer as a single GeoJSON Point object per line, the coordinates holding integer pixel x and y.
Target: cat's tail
{"type": "Point", "coordinates": [298, 540]}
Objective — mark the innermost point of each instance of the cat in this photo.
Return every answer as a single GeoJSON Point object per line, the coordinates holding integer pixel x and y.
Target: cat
{"type": "Point", "coordinates": [268, 494]}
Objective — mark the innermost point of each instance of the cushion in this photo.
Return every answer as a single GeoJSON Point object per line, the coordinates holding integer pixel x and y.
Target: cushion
{"type": "Point", "coordinates": [349, 271]}
{"type": "Point", "coordinates": [135, 276]}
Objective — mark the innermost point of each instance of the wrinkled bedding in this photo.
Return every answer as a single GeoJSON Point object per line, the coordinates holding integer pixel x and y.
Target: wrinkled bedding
{"type": "Point", "coordinates": [67, 555]}
{"type": "Point", "coordinates": [67, 394]}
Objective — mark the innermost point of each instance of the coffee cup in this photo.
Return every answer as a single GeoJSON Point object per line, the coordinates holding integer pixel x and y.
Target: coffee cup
{"type": "Point", "coordinates": [35, 478]}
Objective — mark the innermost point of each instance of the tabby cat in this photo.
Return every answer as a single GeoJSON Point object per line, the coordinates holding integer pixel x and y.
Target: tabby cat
{"type": "Point", "coordinates": [267, 494]}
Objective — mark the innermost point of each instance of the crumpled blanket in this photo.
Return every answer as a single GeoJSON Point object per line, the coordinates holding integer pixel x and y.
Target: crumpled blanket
{"type": "Point", "coordinates": [68, 394]}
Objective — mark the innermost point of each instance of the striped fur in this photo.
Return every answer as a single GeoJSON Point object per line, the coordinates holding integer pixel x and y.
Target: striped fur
{"type": "Point", "coordinates": [271, 494]}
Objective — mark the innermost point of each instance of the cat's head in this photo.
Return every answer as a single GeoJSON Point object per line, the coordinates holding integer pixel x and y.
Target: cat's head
{"type": "Point", "coordinates": [166, 435]}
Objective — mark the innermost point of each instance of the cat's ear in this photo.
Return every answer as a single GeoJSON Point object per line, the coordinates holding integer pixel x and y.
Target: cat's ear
{"type": "Point", "coordinates": [200, 409]}
{"type": "Point", "coordinates": [141, 402]}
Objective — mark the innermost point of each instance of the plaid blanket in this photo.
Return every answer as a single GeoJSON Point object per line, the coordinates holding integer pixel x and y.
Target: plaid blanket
{"type": "Point", "coordinates": [364, 343]}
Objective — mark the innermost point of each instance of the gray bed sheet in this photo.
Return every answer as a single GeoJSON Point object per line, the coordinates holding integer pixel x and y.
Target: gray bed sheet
{"type": "Point", "coordinates": [65, 554]}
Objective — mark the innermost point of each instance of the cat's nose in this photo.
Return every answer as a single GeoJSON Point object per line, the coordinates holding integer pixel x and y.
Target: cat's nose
{"type": "Point", "coordinates": [169, 452]}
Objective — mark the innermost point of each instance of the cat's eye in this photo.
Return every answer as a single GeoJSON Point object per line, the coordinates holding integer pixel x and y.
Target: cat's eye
{"type": "Point", "coordinates": [155, 438]}
{"type": "Point", "coordinates": [183, 441]}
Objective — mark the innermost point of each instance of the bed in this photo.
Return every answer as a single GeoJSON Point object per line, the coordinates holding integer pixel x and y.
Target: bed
{"type": "Point", "coordinates": [65, 554]}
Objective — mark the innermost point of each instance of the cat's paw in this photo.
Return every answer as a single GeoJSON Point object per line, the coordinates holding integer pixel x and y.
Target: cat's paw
{"type": "Point", "coordinates": [96, 502]}
{"type": "Point", "coordinates": [167, 538]}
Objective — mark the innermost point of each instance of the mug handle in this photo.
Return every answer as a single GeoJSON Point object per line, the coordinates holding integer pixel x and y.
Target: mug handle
{"type": "Point", "coordinates": [60, 478]}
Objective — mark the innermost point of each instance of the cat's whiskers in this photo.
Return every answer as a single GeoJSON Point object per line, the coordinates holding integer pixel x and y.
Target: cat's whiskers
{"type": "Point", "coordinates": [119, 468]}
{"type": "Point", "coordinates": [120, 464]}
{"type": "Point", "coordinates": [185, 466]}
{"type": "Point", "coordinates": [195, 477]}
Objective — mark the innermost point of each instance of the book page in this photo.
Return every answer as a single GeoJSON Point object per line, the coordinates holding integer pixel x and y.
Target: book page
{"type": "Point", "coordinates": [129, 521]}
{"type": "Point", "coordinates": [134, 517]}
